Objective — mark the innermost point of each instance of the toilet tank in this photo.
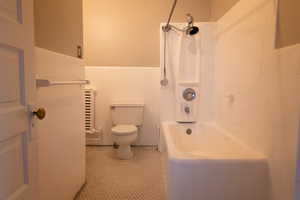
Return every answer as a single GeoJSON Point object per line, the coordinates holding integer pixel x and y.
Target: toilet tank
{"type": "Point", "coordinates": [127, 113]}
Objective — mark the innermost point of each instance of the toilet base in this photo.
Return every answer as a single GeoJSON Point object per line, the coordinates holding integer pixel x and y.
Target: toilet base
{"type": "Point", "coordinates": [124, 152]}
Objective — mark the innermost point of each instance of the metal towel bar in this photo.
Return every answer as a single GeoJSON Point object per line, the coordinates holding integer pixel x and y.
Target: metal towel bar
{"type": "Point", "coordinates": [48, 83]}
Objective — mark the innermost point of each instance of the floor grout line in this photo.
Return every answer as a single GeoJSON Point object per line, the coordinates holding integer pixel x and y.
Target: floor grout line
{"type": "Point", "coordinates": [109, 178]}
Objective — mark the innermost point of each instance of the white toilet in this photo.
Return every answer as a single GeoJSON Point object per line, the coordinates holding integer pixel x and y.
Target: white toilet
{"type": "Point", "coordinates": [126, 118]}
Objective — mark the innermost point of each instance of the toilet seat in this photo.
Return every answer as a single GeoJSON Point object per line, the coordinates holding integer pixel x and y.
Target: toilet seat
{"type": "Point", "coordinates": [123, 130]}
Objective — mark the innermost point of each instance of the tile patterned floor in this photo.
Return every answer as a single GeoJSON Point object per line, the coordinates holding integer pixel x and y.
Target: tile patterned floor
{"type": "Point", "coordinates": [108, 178]}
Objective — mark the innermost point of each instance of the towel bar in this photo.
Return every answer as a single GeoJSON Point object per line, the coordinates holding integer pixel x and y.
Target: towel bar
{"type": "Point", "coordinates": [48, 83]}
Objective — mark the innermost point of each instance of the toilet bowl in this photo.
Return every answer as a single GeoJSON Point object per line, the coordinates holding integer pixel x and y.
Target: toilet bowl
{"type": "Point", "coordinates": [126, 118]}
{"type": "Point", "coordinates": [124, 136]}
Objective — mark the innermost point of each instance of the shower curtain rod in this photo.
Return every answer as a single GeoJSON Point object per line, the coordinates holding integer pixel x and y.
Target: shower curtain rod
{"type": "Point", "coordinates": [167, 26]}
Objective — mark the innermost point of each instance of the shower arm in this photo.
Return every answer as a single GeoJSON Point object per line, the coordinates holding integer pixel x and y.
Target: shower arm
{"type": "Point", "coordinates": [177, 29]}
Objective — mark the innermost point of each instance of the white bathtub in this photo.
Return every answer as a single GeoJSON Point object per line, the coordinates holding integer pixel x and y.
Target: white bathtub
{"type": "Point", "coordinates": [209, 164]}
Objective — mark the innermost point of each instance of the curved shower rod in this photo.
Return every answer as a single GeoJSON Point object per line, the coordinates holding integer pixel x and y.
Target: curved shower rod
{"type": "Point", "coordinates": [190, 29]}
{"type": "Point", "coordinates": [167, 27]}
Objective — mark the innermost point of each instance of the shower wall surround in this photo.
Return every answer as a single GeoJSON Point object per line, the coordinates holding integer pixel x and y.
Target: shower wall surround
{"type": "Point", "coordinates": [289, 59]}
{"type": "Point", "coordinates": [255, 76]}
{"type": "Point", "coordinates": [246, 68]}
{"type": "Point", "coordinates": [247, 87]}
{"type": "Point", "coordinates": [288, 20]}
{"type": "Point", "coordinates": [189, 64]}
{"type": "Point", "coordinates": [128, 84]}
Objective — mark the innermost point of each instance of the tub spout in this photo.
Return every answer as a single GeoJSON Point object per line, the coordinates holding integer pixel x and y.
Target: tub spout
{"type": "Point", "coordinates": [187, 110]}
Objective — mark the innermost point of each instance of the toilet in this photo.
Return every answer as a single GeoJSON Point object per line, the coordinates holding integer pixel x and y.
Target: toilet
{"type": "Point", "coordinates": [126, 118]}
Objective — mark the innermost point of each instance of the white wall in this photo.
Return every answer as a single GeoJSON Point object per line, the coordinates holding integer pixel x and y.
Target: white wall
{"type": "Point", "coordinates": [263, 82]}
{"type": "Point", "coordinates": [126, 83]}
{"type": "Point", "coordinates": [289, 58]}
{"type": "Point", "coordinates": [246, 68]}
{"type": "Point", "coordinates": [204, 40]}
{"type": "Point", "coordinates": [61, 139]}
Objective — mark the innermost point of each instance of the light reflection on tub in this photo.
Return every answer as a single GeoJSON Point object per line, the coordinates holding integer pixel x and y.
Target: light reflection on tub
{"type": "Point", "coordinates": [209, 164]}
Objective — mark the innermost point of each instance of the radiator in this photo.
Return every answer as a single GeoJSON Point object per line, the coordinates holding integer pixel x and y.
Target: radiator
{"type": "Point", "coordinates": [93, 135]}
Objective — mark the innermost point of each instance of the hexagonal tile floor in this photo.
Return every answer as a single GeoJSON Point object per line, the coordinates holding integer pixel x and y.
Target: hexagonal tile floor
{"type": "Point", "coordinates": [109, 178]}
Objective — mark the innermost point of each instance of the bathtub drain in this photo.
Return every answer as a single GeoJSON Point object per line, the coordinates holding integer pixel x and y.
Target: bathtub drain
{"type": "Point", "coordinates": [189, 131]}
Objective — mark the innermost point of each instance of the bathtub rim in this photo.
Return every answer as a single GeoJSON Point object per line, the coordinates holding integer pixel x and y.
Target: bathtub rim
{"type": "Point", "coordinates": [176, 156]}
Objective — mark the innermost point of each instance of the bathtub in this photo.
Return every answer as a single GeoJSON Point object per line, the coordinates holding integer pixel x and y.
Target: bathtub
{"type": "Point", "coordinates": [203, 162]}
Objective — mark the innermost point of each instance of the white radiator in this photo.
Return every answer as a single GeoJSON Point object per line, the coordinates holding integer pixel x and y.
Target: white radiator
{"type": "Point", "coordinates": [93, 136]}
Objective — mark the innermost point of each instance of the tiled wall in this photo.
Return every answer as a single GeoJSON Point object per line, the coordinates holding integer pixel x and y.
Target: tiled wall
{"type": "Point", "coordinates": [61, 139]}
{"type": "Point", "coordinates": [256, 98]}
{"type": "Point", "coordinates": [126, 83]}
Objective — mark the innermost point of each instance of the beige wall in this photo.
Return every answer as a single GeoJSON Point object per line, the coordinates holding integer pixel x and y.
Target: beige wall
{"type": "Point", "coordinates": [289, 17]}
{"type": "Point", "coordinates": [220, 7]}
{"type": "Point", "coordinates": [288, 23]}
{"type": "Point", "coordinates": [126, 33]}
{"type": "Point", "coordinates": [58, 25]}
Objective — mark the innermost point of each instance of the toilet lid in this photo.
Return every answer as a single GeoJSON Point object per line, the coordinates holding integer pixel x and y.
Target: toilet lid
{"type": "Point", "coordinates": [122, 130]}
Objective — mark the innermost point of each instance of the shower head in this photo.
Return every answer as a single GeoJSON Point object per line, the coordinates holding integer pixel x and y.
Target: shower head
{"type": "Point", "coordinates": [192, 30]}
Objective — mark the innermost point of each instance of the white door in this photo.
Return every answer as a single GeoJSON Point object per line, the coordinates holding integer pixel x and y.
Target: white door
{"type": "Point", "coordinates": [17, 142]}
